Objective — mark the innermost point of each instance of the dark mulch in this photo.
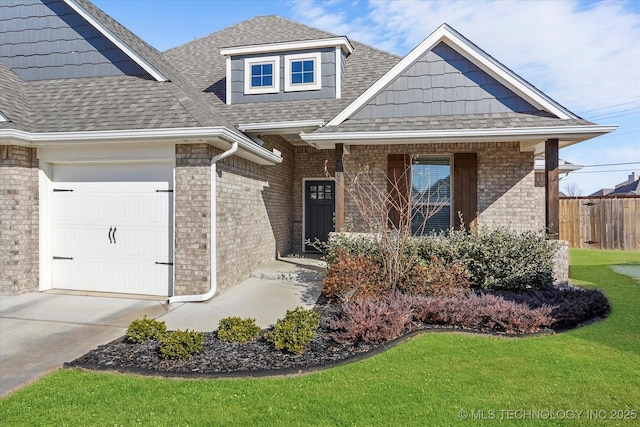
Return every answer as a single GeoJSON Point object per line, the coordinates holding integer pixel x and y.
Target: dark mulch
{"type": "Point", "coordinates": [260, 358]}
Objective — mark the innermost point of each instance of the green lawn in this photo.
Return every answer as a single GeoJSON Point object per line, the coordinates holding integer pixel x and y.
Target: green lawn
{"type": "Point", "coordinates": [431, 380]}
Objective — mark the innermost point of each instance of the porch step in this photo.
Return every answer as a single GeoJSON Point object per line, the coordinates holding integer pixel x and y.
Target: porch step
{"type": "Point", "coordinates": [291, 269]}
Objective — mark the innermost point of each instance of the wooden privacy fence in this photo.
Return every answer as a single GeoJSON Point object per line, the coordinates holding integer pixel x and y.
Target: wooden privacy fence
{"type": "Point", "coordinates": [601, 222]}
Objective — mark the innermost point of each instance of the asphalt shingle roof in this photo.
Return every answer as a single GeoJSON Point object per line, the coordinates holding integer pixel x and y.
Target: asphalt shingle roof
{"type": "Point", "coordinates": [203, 66]}
{"type": "Point", "coordinates": [109, 103]}
{"type": "Point", "coordinates": [105, 103]}
{"type": "Point", "coordinates": [467, 121]}
{"type": "Point", "coordinates": [13, 103]}
{"type": "Point", "coordinates": [194, 94]}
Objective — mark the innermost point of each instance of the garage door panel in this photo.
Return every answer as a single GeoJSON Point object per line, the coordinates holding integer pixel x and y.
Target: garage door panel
{"type": "Point", "coordinates": [115, 225]}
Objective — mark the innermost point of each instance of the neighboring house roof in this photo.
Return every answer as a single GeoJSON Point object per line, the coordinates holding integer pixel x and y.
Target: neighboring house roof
{"type": "Point", "coordinates": [630, 187]}
{"type": "Point", "coordinates": [200, 61]}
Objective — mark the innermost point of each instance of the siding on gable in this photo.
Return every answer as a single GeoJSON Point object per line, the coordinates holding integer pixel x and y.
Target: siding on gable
{"type": "Point", "coordinates": [46, 39]}
{"type": "Point", "coordinates": [443, 82]}
{"type": "Point", "coordinates": [327, 76]}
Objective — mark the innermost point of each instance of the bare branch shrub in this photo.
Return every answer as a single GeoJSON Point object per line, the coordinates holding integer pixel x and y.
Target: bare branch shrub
{"type": "Point", "coordinates": [392, 214]}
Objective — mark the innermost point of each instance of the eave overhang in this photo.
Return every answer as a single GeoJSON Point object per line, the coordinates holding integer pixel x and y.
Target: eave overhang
{"type": "Point", "coordinates": [277, 128]}
{"type": "Point", "coordinates": [218, 136]}
{"type": "Point", "coordinates": [530, 138]}
{"type": "Point", "coordinates": [342, 42]}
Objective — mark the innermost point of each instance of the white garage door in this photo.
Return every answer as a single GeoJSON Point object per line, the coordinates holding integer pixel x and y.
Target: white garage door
{"type": "Point", "coordinates": [112, 227]}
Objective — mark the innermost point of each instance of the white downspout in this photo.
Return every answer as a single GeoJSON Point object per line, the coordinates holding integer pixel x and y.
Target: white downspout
{"type": "Point", "coordinates": [212, 237]}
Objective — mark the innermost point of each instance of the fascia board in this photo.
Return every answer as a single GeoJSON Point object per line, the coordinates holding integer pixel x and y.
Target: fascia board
{"type": "Point", "coordinates": [117, 41]}
{"type": "Point", "coordinates": [577, 133]}
{"type": "Point", "coordinates": [293, 126]}
{"type": "Point", "coordinates": [249, 149]}
{"type": "Point", "coordinates": [463, 46]}
{"type": "Point", "coordinates": [342, 42]}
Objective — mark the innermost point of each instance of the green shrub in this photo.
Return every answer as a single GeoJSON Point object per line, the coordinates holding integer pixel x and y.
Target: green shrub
{"type": "Point", "coordinates": [295, 331]}
{"type": "Point", "coordinates": [143, 329]}
{"type": "Point", "coordinates": [355, 244]}
{"type": "Point", "coordinates": [181, 344]}
{"type": "Point", "coordinates": [235, 329]}
{"type": "Point", "coordinates": [495, 258]}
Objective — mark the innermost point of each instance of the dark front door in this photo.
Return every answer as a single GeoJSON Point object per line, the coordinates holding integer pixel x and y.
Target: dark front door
{"type": "Point", "coordinates": [319, 205]}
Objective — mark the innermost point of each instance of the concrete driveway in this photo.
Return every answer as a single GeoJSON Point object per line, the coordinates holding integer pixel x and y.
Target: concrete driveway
{"type": "Point", "coordinates": [41, 331]}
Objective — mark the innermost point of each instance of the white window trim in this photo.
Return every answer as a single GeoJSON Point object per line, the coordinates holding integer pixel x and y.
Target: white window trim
{"type": "Point", "coordinates": [451, 186]}
{"type": "Point", "coordinates": [248, 62]}
{"type": "Point", "coordinates": [317, 65]}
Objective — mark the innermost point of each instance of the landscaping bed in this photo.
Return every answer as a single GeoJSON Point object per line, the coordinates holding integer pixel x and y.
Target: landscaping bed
{"type": "Point", "coordinates": [259, 357]}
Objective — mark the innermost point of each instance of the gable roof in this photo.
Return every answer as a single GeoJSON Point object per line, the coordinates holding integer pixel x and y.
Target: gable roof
{"type": "Point", "coordinates": [447, 35]}
{"type": "Point", "coordinates": [107, 107]}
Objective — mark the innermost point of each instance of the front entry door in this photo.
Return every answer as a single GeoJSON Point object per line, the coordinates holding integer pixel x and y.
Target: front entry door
{"type": "Point", "coordinates": [319, 205]}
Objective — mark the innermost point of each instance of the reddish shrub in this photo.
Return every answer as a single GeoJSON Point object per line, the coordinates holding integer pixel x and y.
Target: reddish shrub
{"type": "Point", "coordinates": [352, 276]}
{"type": "Point", "coordinates": [372, 320]}
{"type": "Point", "coordinates": [482, 312]}
{"type": "Point", "coordinates": [436, 278]}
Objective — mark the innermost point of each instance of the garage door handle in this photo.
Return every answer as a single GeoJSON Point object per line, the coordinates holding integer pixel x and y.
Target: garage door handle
{"type": "Point", "coordinates": [114, 234]}
{"type": "Point", "coordinates": [110, 230]}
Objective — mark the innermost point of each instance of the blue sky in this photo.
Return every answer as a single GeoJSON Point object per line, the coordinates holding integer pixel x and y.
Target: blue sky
{"type": "Point", "coordinates": [584, 54]}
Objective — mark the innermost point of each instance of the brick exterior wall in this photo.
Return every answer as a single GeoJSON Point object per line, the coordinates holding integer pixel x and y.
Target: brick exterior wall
{"type": "Point", "coordinates": [309, 163]}
{"type": "Point", "coordinates": [19, 215]}
{"type": "Point", "coordinates": [254, 215]}
{"type": "Point", "coordinates": [507, 195]}
{"type": "Point", "coordinates": [192, 216]}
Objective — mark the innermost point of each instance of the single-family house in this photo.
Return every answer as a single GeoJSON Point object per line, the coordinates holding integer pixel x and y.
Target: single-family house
{"type": "Point", "coordinates": [630, 187]}
{"type": "Point", "coordinates": [127, 170]}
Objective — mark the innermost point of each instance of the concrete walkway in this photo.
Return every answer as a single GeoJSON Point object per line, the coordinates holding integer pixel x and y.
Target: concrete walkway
{"type": "Point", "coordinates": [41, 331]}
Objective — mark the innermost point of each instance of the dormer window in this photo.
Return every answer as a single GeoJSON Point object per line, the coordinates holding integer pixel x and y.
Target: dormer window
{"type": "Point", "coordinates": [302, 72]}
{"type": "Point", "coordinates": [262, 75]}
{"type": "Point", "coordinates": [286, 71]}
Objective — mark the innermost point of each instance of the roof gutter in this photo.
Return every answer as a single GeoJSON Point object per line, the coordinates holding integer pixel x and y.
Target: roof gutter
{"type": "Point", "coordinates": [213, 276]}
{"type": "Point", "coordinates": [571, 134]}
{"type": "Point", "coordinates": [246, 148]}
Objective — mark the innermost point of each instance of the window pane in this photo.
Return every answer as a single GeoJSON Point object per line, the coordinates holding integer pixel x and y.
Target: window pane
{"type": "Point", "coordinates": [308, 65]}
{"type": "Point", "coordinates": [313, 188]}
{"type": "Point", "coordinates": [267, 81]}
{"type": "Point", "coordinates": [430, 194]}
{"type": "Point", "coordinates": [267, 68]}
{"type": "Point", "coordinates": [296, 78]}
{"type": "Point", "coordinates": [256, 81]}
{"type": "Point", "coordinates": [256, 70]}
{"type": "Point", "coordinates": [320, 195]}
{"type": "Point", "coordinates": [308, 77]}
{"type": "Point", "coordinates": [296, 66]}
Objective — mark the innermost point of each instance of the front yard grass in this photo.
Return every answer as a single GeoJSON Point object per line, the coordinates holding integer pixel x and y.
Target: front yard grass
{"type": "Point", "coordinates": [434, 379]}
